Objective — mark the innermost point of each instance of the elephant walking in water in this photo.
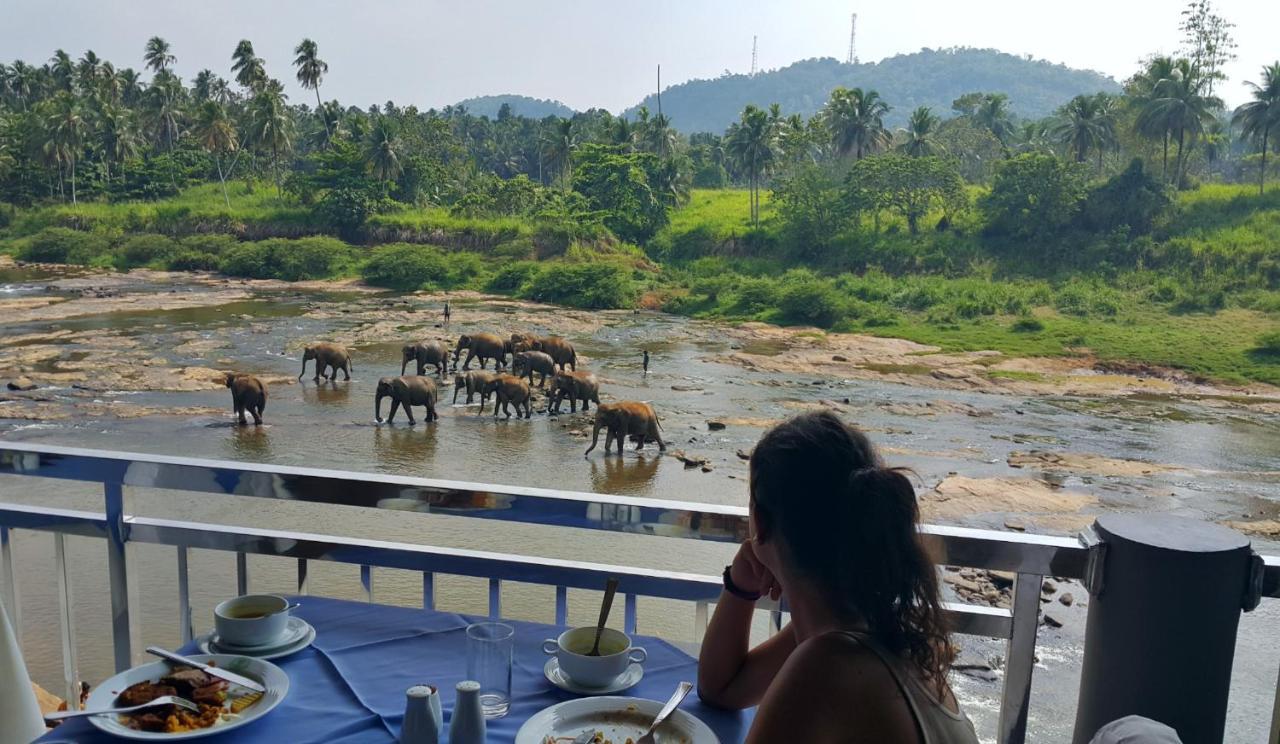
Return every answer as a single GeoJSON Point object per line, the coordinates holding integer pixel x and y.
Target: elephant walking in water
{"type": "Point", "coordinates": [248, 393]}
{"type": "Point", "coordinates": [624, 419]}
{"type": "Point", "coordinates": [473, 382]}
{"type": "Point", "coordinates": [576, 386]}
{"type": "Point", "coordinates": [484, 346]}
{"type": "Point", "coordinates": [428, 353]}
{"type": "Point", "coordinates": [408, 392]}
{"type": "Point", "coordinates": [327, 355]}
{"type": "Point", "coordinates": [509, 389]}
{"type": "Point", "coordinates": [558, 349]}
{"type": "Point", "coordinates": [525, 363]}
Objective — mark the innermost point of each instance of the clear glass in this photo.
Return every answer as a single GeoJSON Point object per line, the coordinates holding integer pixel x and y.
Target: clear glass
{"type": "Point", "coordinates": [489, 650]}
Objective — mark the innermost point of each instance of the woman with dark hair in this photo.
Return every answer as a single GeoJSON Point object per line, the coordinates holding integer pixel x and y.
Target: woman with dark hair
{"type": "Point", "coordinates": [866, 655]}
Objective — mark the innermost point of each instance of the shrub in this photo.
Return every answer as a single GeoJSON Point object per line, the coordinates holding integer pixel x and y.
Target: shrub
{"type": "Point", "coordinates": [142, 250]}
{"type": "Point", "coordinates": [406, 267]}
{"type": "Point", "coordinates": [814, 302]}
{"type": "Point", "coordinates": [755, 295]}
{"type": "Point", "coordinates": [64, 245]}
{"type": "Point", "coordinates": [511, 278]}
{"type": "Point", "coordinates": [191, 260]}
{"type": "Point", "coordinates": [1083, 298]}
{"type": "Point", "coordinates": [589, 285]}
{"type": "Point", "coordinates": [1269, 343]}
{"type": "Point", "coordinates": [290, 260]}
{"type": "Point", "coordinates": [214, 244]}
{"type": "Point", "coordinates": [1027, 325]}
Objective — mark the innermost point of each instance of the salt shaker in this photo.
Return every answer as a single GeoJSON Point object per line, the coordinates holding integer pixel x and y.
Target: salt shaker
{"type": "Point", "coordinates": [467, 724]}
{"type": "Point", "coordinates": [423, 720]}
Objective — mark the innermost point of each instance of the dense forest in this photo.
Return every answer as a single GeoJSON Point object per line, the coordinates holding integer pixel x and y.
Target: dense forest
{"type": "Point", "coordinates": [929, 77]}
{"type": "Point", "coordinates": [534, 108]}
{"type": "Point", "coordinates": [1135, 225]}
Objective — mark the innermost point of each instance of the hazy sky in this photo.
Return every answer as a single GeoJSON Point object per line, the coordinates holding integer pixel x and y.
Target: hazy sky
{"type": "Point", "coordinates": [587, 53]}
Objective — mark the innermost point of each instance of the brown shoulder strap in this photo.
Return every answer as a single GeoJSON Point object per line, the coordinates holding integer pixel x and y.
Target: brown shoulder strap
{"type": "Point", "coordinates": [891, 663]}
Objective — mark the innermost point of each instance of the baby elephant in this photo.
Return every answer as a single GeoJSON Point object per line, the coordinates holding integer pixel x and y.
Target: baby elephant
{"type": "Point", "coordinates": [509, 389]}
{"type": "Point", "coordinates": [427, 354]}
{"type": "Point", "coordinates": [408, 392]}
{"type": "Point", "coordinates": [525, 363]}
{"type": "Point", "coordinates": [576, 386]}
{"type": "Point", "coordinates": [473, 382]}
{"type": "Point", "coordinates": [327, 355]}
{"type": "Point", "coordinates": [248, 393]}
{"type": "Point", "coordinates": [624, 419]}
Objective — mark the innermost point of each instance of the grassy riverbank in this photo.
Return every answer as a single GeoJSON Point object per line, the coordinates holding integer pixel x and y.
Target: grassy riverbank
{"type": "Point", "coordinates": [1202, 297]}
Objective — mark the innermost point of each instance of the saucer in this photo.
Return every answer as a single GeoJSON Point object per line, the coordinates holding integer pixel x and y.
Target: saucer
{"type": "Point", "coordinates": [624, 681]}
{"type": "Point", "coordinates": [298, 636]}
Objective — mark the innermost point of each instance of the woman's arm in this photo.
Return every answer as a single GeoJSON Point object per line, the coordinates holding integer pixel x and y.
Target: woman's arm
{"type": "Point", "coordinates": [730, 674]}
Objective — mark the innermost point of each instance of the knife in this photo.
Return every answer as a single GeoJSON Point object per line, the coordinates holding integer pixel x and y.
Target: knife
{"type": "Point", "coordinates": [213, 671]}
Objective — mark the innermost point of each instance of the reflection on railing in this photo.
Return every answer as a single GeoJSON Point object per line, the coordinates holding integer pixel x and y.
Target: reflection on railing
{"type": "Point", "coordinates": [1030, 557]}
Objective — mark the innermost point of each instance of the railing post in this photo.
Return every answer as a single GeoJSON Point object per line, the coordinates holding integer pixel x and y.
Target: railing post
{"type": "Point", "coordinates": [184, 595]}
{"type": "Point", "coordinates": [1020, 657]}
{"type": "Point", "coordinates": [302, 576]}
{"type": "Point", "coordinates": [1165, 604]}
{"type": "Point", "coordinates": [70, 668]}
{"type": "Point", "coordinates": [8, 584]}
{"type": "Point", "coordinates": [366, 581]}
{"type": "Point", "coordinates": [242, 574]}
{"type": "Point", "coordinates": [118, 571]}
{"type": "Point", "coordinates": [1275, 716]}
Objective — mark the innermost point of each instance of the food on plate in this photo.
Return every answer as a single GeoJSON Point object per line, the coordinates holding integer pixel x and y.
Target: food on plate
{"type": "Point", "coordinates": [207, 692]}
{"type": "Point", "coordinates": [598, 738]}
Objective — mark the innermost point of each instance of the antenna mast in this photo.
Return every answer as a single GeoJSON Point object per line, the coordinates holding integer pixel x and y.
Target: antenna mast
{"type": "Point", "coordinates": [753, 55]}
{"type": "Point", "coordinates": [853, 33]}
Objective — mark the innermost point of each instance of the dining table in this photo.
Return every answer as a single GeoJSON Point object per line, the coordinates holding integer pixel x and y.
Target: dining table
{"type": "Point", "coordinates": [349, 685]}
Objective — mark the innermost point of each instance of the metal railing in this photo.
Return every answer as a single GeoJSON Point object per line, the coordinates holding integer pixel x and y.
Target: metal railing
{"type": "Point", "coordinates": [1030, 557]}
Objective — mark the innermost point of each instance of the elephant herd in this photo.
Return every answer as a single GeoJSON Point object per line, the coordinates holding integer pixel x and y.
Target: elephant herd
{"type": "Point", "coordinates": [551, 359]}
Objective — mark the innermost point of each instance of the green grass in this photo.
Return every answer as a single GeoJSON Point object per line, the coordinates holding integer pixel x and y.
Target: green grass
{"type": "Point", "coordinates": [725, 213]}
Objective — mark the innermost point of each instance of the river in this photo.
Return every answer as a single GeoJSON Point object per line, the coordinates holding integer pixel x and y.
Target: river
{"type": "Point", "coordinates": [122, 363]}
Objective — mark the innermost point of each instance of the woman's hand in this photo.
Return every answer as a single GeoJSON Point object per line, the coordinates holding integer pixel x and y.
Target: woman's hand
{"type": "Point", "coordinates": [751, 575]}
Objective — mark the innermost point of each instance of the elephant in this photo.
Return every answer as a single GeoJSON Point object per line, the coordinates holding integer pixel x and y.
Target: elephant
{"type": "Point", "coordinates": [431, 353]}
{"type": "Point", "coordinates": [248, 393]}
{"type": "Point", "coordinates": [473, 382]}
{"type": "Point", "coordinates": [558, 349]}
{"type": "Point", "coordinates": [509, 389]}
{"type": "Point", "coordinates": [576, 386]}
{"type": "Point", "coordinates": [484, 346]}
{"type": "Point", "coordinates": [533, 361]}
{"type": "Point", "coordinates": [520, 342]}
{"type": "Point", "coordinates": [624, 419]}
{"type": "Point", "coordinates": [406, 391]}
{"type": "Point", "coordinates": [327, 355]}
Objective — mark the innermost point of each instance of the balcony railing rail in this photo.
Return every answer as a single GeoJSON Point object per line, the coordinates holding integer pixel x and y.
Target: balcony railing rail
{"type": "Point", "coordinates": [1029, 557]}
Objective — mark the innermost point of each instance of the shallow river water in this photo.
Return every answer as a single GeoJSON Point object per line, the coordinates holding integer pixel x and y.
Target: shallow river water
{"type": "Point", "coordinates": [1222, 462]}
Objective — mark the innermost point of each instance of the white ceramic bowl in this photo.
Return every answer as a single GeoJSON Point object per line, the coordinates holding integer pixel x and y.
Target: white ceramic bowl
{"type": "Point", "coordinates": [616, 654]}
{"type": "Point", "coordinates": [251, 621]}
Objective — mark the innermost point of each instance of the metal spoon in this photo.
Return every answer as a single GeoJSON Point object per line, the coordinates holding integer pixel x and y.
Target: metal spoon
{"type": "Point", "coordinates": [676, 698]}
{"type": "Point", "coordinates": [610, 588]}
{"type": "Point", "coordinates": [162, 700]}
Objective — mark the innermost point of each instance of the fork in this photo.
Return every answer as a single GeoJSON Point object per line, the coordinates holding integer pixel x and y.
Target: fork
{"type": "Point", "coordinates": [162, 700]}
{"type": "Point", "coordinates": [677, 697]}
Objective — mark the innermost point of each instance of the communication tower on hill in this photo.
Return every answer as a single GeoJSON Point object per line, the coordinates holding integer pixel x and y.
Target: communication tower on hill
{"type": "Point", "coordinates": [853, 34]}
{"type": "Point", "coordinates": [753, 55]}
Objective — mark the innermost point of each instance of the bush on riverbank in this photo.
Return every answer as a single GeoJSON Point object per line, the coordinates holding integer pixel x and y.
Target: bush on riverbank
{"type": "Point", "coordinates": [65, 246]}
{"type": "Point", "coordinates": [290, 260]}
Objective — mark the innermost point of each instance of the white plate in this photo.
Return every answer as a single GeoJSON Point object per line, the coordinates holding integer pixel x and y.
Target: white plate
{"type": "Point", "coordinates": [209, 644]}
{"type": "Point", "coordinates": [271, 676]}
{"type": "Point", "coordinates": [617, 717]}
{"type": "Point", "coordinates": [627, 680]}
{"type": "Point", "coordinates": [295, 630]}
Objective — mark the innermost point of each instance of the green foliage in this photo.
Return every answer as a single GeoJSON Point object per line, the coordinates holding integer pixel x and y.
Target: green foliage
{"type": "Point", "coordinates": [1132, 201]}
{"type": "Point", "coordinates": [911, 187]}
{"type": "Point", "coordinates": [1027, 325]}
{"type": "Point", "coordinates": [812, 301]}
{"type": "Point", "coordinates": [589, 285]}
{"type": "Point", "coordinates": [338, 182]}
{"type": "Point", "coordinates": [406, 267]}
{"type": "Point", "coordinates": [187, 259]}
{"type": "Point", "coordinates": [512, 277]}
{"type": "Point", "coordinates": [809, 203]}
{"type": "Point", "coordinates": [1034, 197]}
{"type": "Point", "coordinates": [62, 245]}
{"type": "Point", "coordinates": [1269, 344]}
{"type": "Point", "coordinates": [214, 244]}
{"type": "Point", "coordinates": [290, 260]}
{"type": "Point", "coordinates": [618, 185]}
{"type": "Point", "coordinates": [144, 250]}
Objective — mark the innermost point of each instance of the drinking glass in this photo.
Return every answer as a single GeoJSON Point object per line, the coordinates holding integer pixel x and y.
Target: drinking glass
{"type": "Point", "coordinates": [489, 649]}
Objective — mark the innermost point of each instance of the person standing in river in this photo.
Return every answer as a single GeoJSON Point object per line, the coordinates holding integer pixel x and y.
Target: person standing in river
{"type": "Point", "coordinates": [646, 361]}
{"type": "Point", "coordinates": [446, 312]}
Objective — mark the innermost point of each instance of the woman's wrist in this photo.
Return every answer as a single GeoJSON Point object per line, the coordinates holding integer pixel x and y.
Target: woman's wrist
{"type": "Point", "coordinates": [737, 589]}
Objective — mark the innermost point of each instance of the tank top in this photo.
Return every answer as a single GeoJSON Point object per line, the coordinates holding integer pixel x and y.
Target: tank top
{"type": "Point", "coordinates": [937, 724]}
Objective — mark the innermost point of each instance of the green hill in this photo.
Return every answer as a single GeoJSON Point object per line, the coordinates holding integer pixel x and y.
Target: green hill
{"type": "Point", "coordinates": [534, 108]}
{"type": "Point", "coordinates": [930, 77]}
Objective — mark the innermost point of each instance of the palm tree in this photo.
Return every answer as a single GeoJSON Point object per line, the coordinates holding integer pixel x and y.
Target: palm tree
{"type": "Point", "coordinates": [63, 70]}
{"type": "Point", "coordinates": [659, 137]}
{"type": "Point", "coordinates": [558, 146]}
{"type": "Point", "coordinates": [917, 137]}
{"type": "Point", "coordinates": [993, 114]}
{"type": "Point", "coordinates": [22, 81]}
{"type": "Point", "coordinates": [250, 69]}
{"type": "Point", "coordinates": [271, 125]}
{"type": "Point", "coordinates": [856, 122]}
{"type": "Point", "coordinates": [163, 103]}
{"type": "Point", "coordinates": [311, 70]}
{"type": "Point", "coordinates": [750, 142]}
{"type": "Point", "coordinates": [1181, 109]}
{"type": "Point", "coordinates": [382, 149]}
{"type": "Point", "coordinates": [217, 135]}
{"type": "Point", "coordinates": [66, 129]}
{"type": "Point", "coordinates": [157, 55]}
{"type": "Point", "coordinates": [1086, 123]}
{"type": "Point", "coordinates": [1141, 91]}
{"type": "Point", "coordinates": [130, 86]}
{"type": "Point", "coordinates": [88, 71]}
{"type": "Point", "coordinates": [1259, 117]}
{"type": "Point", "coordinates": [117, 137]}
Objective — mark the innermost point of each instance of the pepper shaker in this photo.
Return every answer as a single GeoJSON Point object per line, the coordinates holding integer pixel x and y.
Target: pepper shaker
{"type": "Point", "coordinates": [423, 720]}
{"type": "Point", "coordinates": [467, 724]}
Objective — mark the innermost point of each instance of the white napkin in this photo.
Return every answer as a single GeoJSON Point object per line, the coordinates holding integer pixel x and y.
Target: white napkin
{"type": "Point", "coordinates": [18, 707]}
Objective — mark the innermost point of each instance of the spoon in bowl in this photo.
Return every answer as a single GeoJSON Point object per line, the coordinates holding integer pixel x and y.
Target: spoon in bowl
{"type": "Point", "coordinates": [610, 588]}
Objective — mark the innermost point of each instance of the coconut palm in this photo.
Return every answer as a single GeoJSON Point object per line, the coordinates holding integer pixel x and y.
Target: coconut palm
{"type": "Point", "coordinates": [22, 82]}
{"type": "Point", "coordinates": [993, 114]}
{"type": "Point", "coordinates": [250, 69]}
{"type": "Point", "coordinates": [1260, 117]}
{"type": "Point", "coordinates": [856, 121]}
{"type": "Point", "coordinates": [1086, 123]}
{"type": "Point", "coordinates": [559, 142]}
{"type": "Point", "coordinates": [751, 143]}
{"type": "Point", "coordinates": [311, 70]}
{"type": "Point", "coordinates": [272, 129]}
{"type": "Point", "coordinates": [1141, 89]}
{"type": "Point", "coordinates": [63, 70]}
{"type": "Point", "coordinates": [157, 56]}
{"type": "Point", "coordinates": [659, 137]}
{"type": "Point", "coordinates": [1179, 107]}
{"type": "Point", "coordinates": [66, 129]}
{"type": "Point", "coordinates": [216, 133]}
{"type": "Point", "coordinates": [117, 136]}
{"type": "Point", "coordinates": [130, 84]}
{"type": "Point", "coordinates": [382, 149]}
{"type": "Point", "coordinates": [162, 102]}
{"type": "Point", "coordinates": [918, 136]}
{"type": "Point", "coordinates": [88, 71]}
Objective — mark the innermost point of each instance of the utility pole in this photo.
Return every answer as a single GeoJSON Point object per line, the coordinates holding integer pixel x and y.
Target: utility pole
{"type": "Point", "coordinates": [753, 55]}
{"type": "Point", "coordinates": [852, 59]}
{"type": "Point", "coordinates": [659, 90]}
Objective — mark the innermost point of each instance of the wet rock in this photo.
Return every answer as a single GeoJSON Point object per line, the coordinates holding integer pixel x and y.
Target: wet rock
{"type": "Point", "coordinates": [1048, 587]}
{"type": "Point", "coordinates": [691, 461]}
{"type": "Point", "coordinates": [707, 468]}
{"type": "Point", "coordinates": [743, 455]}
{"type": "Point", "coordinates": [1052, 621]}
{"type": "Point", "coordinates": [1066, 599]}
{"type": "Point", "coordinates": [1015, 526]}
{"type": "Point", "coordinates": [22, 383]}
{"type": "Point", "coordinates": [686, 388]}
{"type": "Point", "coordinates": [839, 358]}
{"type": "Point", "coordinates": [1001, 579]}
{"type": "Point", "coordinates": [715, 425]}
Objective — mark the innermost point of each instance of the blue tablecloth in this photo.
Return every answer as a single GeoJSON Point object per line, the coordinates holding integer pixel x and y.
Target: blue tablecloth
{"type": "Point", "coordinates": [349, 685]}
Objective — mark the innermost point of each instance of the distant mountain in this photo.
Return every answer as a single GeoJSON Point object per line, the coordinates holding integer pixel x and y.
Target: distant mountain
{"type": "Point", "coordinates": [930, 77]}
{"type": "Point", "coordinates": [534, 108]}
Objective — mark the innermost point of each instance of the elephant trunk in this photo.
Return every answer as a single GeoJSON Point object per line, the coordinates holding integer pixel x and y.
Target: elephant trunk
{"type": "Point", "coordinates": [403, 363]}
{"type": "Point", "coordinates": [377, 406]}
{"type": "Point", "coordinates": [304, 368]}
{"type": "Point", "coordinates": [595, 437]}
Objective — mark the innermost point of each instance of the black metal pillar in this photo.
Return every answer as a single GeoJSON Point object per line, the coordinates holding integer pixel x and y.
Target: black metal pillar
{"type": "Point", "coordinates": [1166, 596]}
